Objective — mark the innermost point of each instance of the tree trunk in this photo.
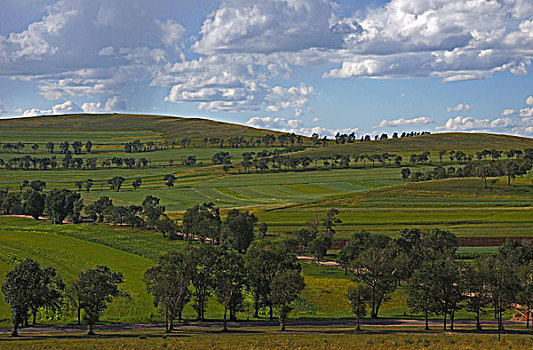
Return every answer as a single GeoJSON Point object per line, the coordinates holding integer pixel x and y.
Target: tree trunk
{"type": "Point", "coordinates": [452, 318]}
{"type": "Point", "coordinates": [34, 314]}
{"type": "Point", "coordinates": [171, 323]}
{"type": "Point", "coordinates": [373, 313]}
{"type": "Point", "coordinates": [527, 318]}
{"type": "Point", "coordinates": [444, 320]}
{"type": "Point", "coordinates": [79, 314]}
{"type": "Point", "coordinates": [90, 329]}
{"type": "Point", "coordinates": [358, 323]}
{"type": "Point", "coordinates": [225, 325]}
{"type": "Point", "coordinates": [166, 320]}
{"type": "Point", "coordinates": [282, 323]}
{"type": "Point", "coordinates": [427, 320]}
{"type": "Point", "coordinates": [271, 312]}
{"type": "Point", "coordinates": [256, 305]}
{"type": "Point", "coordinates": [478, 324]}
{"type": "Point", "coordinates": [14, 331]}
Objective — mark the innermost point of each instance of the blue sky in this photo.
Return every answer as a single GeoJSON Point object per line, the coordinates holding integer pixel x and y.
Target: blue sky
{"type": "Point", "coordinates": [295, 65]}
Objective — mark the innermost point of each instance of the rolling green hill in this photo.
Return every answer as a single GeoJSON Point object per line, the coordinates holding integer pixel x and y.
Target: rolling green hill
{"type": "Point", "coordinates": [132, 125]}
{"type": "Point", "coordinates": [433, 142]}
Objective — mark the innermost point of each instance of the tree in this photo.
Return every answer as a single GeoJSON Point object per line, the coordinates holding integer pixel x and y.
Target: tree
{"type": "Point", "coordinates": [406, 172]}
{"type": "Point", "coordinates": [60, 203]}
{"type": "Point", "coordinates": [476, 284]}
{"type": "Point", "coordinates": [88, 185]}
{"type": "Point", "coordinates": [97, 208]}
{"type": "Point", "coordinates": [420, 291]}
{"type": "Point", "coordinates": [376, 268]}
{"type": "Point", "coordinates": [354, 246]}
{"type": "Point", "coordinates": [229, 278]}
{"type": "Point", "coordinates": [169, 180]}
{"type": "Point", "coordinates": [238, 229]}
{"type": "Point", "coordinates": [88, 146]}
{"type": "Point", "coordinates": [285, 288]}
{"type": "Point", "coordinates": [50, 147]}
{"type": "Point", "coordinates": [28, 288]}
{"type": "Point", "coordinates": [358, 297]}
{"type": "Point", "coordinates": [202, 222]}
{"type": "Point", "coordinates": [525, 293]}
{"type": "Point", "coordinates": [97, 288]}
{"type": "Point", "coordinates": [263, 228]}
{"type": "Point", "coordinates": [169, 282]}
{"type": "Point", "coordinates": [319, 246]}
{"type": "Point", "coordinates": [202, 259]}
{"type": "Point", "coordinates": [116, 183]}
{"type": "Point", "coordinates": [34, 203]}
{"type": "Point", "coordinates": [152, 210]}
{"type": "Point", "coordinates": [136, 184]}
{"type": "Point", "coordinates": [37, 185]}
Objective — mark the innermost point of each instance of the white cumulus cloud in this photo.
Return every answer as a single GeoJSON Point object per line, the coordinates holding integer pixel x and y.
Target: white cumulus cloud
{"type": "Point", "coordinates": [459, 108]}
{"type": "Point", "coordinates": [507, 112]}
{"type": "Point", "coordinates": [404, 121]}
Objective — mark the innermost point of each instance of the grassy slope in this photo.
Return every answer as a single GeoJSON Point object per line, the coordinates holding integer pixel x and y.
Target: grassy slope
{"type": "Point", "coordinates": [433, 142]}
{"type": "Point", "coordinates": [170, 128]}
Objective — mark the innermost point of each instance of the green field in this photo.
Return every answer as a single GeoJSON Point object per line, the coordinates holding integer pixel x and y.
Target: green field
{"type": "Point", "coordinates": [368, 198]}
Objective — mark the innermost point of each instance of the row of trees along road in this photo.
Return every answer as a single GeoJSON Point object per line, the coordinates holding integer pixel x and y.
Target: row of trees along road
{"type": "Point", "coordinates": [437, 284]}
{"type": "Point", "coordinates": [270, 273]}
{"type": "Point", "coordinates": [29, 288]}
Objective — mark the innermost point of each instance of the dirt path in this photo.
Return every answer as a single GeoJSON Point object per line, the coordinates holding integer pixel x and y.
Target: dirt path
{"type": "Point", "coordinates": [247, 324]}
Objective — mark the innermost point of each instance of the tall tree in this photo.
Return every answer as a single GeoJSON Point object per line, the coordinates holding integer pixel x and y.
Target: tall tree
{"type": "Point", "coordinates": [203, 259]}
{"type": "Point", "coordinates": [238, 229]}
{"type": "Point", "coordinates": [115, 183]}
{"type": "Point", "coordinates": [169, 282]}
{"type": "Point", "coordinates": [229, 281]}
{"type": "Point", "coordinates": [358, 297]}
{"type": "Point", "coordinates": [60, 203]}
{"type": "Point", "coordinates": [285, 288]}
{"type": "Point", "coordinates": [34, 202]}
{"type": "Point", "coordinates": [98, 287]}
{"type": "Point", "coordinates": [97, 208]}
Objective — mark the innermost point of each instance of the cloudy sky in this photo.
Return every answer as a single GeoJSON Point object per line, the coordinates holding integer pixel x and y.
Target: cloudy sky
{"type": "Point", "coordinates": [368, 66]}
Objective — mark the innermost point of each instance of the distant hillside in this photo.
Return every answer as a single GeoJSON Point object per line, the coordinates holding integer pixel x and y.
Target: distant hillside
{"type": "Point", "coordinates": [170, 128]}
{"type": "Point", "coordinates": [434, 142]}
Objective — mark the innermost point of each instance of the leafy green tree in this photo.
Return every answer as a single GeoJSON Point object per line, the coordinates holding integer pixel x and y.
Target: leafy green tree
{"type": "Point", "coordinates": [203, 222]}
{"type": "Point", "coordinates": [34, 203]}
{"type": "Point", "coordinates": [263, 229]}
{"type": "Point", "coordinates": [525, 292]}
{"type": "Point", "coordinates": [169, 180]}
{"type": "Point", "coordinates": [319, 246]}
{"type": "Point", "coordinates": [420, 291]}
{"type": "Point", "coordinates": [285, 288]}
{"type": "Point", "coordinates": [476, 282]}
{"type": "Point", "coordinates": [358, 297]}
{"type": "Point", "coordinates": [447, 288]}
{"type": "Point", "coordinates": [167, 227]}
{"type": "Point", "coordinates": [28, 288]}
{"type": "Point", "coordinates": [97, 288]}
{"type": "Point", "coordinates": [203, 260]}
{"type": "Point", "coordinates": [152, 210]}
{"type": "Point", "coordinates": [88, 146]}
{"type": "Point", "coordinates": [50, 147]}
{"type": "Point", "coordinates": [97, 208]}
{"type": "Point", "coordinates": [169, 283]}
{"type": "Point", "coordinates": [354, 246]}
{"type": "Point", "coordinates": [376, 268]}
{"type": "Point", "coordinates": [60, 203]}
{"type": "Point", "coordinates": [406, 172]}
{"type": "Point", "coordinates": [238, 229]}
{"type": "Point", "coordinates": [37, 185]}
{"type": "Point", "coordinates": [88, 184]}
{"type": "Point", "coordinates": [229, 281]}
{"type": "Point", "coordinates": [136, 184]}
{"type": "Point", "coordinates": [116, 183]}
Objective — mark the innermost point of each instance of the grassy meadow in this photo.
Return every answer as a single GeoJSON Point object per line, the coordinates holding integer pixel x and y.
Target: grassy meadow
{"type": "Point", "coordinates": [368, 198]}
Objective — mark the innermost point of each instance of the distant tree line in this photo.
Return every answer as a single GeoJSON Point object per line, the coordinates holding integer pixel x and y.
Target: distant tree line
{"type": "Point", "coordinates": [482, 169]}
{"type": "Point", "coordinates": [77, 146]}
